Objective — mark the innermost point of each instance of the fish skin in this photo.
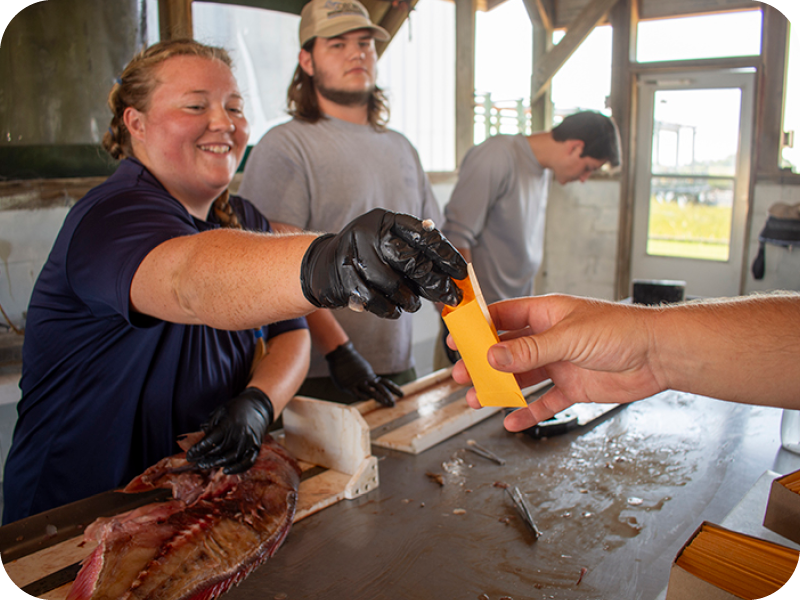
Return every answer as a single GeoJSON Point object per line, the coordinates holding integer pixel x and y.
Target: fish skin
{"type": "Point", "coordinates": [214, 532]}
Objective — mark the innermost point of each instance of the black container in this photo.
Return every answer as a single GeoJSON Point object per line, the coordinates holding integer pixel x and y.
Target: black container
{"type": "Point", "coordinates": [657, 291]}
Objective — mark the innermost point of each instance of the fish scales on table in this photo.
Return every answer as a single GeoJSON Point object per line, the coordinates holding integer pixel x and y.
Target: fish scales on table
{"type": "Point", "coordinates": [215, 530]}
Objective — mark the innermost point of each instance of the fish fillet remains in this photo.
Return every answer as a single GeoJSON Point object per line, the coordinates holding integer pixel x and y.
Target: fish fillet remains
{"type": "Point", "coordinates": [215, 530]}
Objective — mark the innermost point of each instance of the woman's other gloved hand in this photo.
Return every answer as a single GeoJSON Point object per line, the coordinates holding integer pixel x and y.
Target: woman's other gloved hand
{"type": "Point", "coordinates": [382, 262]}
{"type": "Point", "coordinates": [354, 375]}
{"type": "Point", "coordinates": [234, 432]}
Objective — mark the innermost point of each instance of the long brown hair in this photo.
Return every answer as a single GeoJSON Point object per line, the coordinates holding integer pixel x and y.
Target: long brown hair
{"type": "Point", "coordinates": [301, 99]}
{"type": "Point", "coordinates": [135, 87]}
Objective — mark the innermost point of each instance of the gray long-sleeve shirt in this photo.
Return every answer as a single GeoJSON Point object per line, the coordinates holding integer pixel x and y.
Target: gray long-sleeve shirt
{"type": "Point", "coordinates": [497, 210]}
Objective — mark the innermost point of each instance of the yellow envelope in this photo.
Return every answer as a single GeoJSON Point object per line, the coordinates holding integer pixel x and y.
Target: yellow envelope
{"type": "Point", "coordinates": [474, 333]}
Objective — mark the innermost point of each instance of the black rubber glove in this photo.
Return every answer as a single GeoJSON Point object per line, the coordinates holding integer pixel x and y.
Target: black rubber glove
{"type": "Point", "coordinates": [353, 375]}
{"type": "Point", "coordinates": [382, 262]}
{"type": "Point", "coordinates": [234, 432]}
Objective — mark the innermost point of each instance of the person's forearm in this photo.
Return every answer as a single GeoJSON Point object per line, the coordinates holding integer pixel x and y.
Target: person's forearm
{"type": "Point", "coordinates": [744, 350]}
{"type": "Point", "coordinates": [281, 372]}
{"type": "Point", "coordinates": [326, 332]}
{"type": "Point", "coordinates": [223, 278]}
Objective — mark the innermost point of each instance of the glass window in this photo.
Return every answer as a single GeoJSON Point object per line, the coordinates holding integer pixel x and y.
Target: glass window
{"type": "Point", "coordinates": [264, 46]}
{"type": "Point", "coordinates": [707, 36]}
{"type": "Point", "coordinates": [693, 168]}
{"type": "Point", "coordinates": [503, 63]}
{"type": "Point", "coordinates": [791, 113]}
{"type": "Point", "coordinates": [416, 71]}
{"type": "Point", "coordinates": [584, 82]}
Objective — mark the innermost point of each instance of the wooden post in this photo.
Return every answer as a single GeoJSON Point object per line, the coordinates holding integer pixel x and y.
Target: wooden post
{"type": "Point", "coordinates": [774, 51]}
{"type": "Point", "coordinates": [624, 18]}
{"type": "Point", "coordinates": [175, 19]}
{"type": "Point", "coordinates": [465, 77]}
{"type": "Point", "coordinates": [542, 23]}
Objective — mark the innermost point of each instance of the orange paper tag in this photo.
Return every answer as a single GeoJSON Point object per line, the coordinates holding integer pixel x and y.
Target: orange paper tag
{"type": "Point", "coordinates": [474, 333]}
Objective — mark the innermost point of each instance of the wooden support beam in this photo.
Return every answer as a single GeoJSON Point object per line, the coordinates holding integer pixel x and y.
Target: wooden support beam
{"type": "Point", "coordinates": [175, 19]}
{"type": "Point", "coordinates": [772, 95]}
{"type": "Point", "coordinates": [624, 19]}
{"type": "Point", "coordinates": [392, 21]}
{"type": "Point", "coordinates": [541, 21]}
{"type": "Point", "coordinates": [465, 77]}
{"type": "Point", "coordinates": [541, 11]}
{"type": "Point", "coordinates": [592, 14]}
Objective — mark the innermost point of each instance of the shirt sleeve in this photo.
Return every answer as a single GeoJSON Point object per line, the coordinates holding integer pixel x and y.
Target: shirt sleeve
{"type": "Point", "coordinates": [482, 179]}
{"type": "Point", "coordinates": [110, 243]}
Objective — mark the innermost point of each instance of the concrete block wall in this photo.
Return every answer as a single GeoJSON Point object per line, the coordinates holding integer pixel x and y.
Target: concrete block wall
{"type": "Point", "coordinates": [26, 237]}
{"type": "Point", "coordinates": [581, 240]}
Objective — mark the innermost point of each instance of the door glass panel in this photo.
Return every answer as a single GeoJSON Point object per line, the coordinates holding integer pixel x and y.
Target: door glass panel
{"type": "Point", "coordinates": [694, 157]}
{"type": "Point", "coordinates": [690, 217]}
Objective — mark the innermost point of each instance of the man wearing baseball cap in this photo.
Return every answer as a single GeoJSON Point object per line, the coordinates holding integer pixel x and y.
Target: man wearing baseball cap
{"type": "Point", "coordinates": [334, 160]}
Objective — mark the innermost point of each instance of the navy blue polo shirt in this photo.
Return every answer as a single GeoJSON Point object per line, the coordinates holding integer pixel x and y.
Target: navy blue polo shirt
{"type": "Point", "coordinates": [105, 390]}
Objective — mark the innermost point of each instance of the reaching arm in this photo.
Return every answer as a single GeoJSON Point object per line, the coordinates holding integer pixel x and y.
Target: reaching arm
{"type": "Point", "coordinates": [237, 280]}
{"type": "Point", "coordinates": [742, 350]}
{"type": "Point", "coordinates": [224, 278]}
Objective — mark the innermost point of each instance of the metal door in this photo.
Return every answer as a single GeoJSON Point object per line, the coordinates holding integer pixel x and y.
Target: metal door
{"type": "Point", "coordinates": [692, 180]}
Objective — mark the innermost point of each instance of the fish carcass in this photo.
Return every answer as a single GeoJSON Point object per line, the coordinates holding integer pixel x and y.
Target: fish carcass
{"type": "Point", "coordinates": [214, 531]}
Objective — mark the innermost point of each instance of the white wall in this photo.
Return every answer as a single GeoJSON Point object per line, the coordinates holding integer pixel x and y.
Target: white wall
{"type": "Point", "coordinates": [26, 237]}
{"type": "Point", "coordinates": [782, 265]}
{"type": "Point", "coordinates": [581, 240]}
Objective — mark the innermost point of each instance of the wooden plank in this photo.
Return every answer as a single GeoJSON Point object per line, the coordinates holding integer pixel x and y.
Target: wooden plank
{"type": "Point", "coordinates": [35, 566]}
{"type": "Point", "coordinates": [31, 194]}
{"type": "Point", "coordinates": [427, 431]}
{"type": "Point", "coordinates": [656, 9]}
{"type": "Point", "coordinates": [423, 402]}
{"type": "Point", "coordinates": [591, 15]}
{"type": "Point", "coordinates": [334, 436]}
{"type": "Point", "coordinates": [431, 423]}
{"type": "Point", "coordinates": [659, 9]}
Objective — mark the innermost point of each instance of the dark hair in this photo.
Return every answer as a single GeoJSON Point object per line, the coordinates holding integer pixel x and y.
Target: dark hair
{"type": "Point", "coordinates": [598, 133]}
{"type": "Point", "coordinates": [301, 99]}
{"type": "Point", "coordinates": [135, 87]}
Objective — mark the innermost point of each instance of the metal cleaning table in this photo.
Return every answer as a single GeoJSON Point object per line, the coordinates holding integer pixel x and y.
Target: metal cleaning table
{"type": "Point", "coordinates": [615, 501]}
{"type": "Point", "coordinates": [618, 499]}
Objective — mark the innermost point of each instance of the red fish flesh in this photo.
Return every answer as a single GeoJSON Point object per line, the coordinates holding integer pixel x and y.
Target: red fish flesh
{"type": "Point", "coordinates": [215, 530]}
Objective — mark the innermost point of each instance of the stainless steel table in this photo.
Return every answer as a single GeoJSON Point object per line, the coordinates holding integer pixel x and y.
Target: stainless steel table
{"type": "Point", "coordinates": [617, 499]}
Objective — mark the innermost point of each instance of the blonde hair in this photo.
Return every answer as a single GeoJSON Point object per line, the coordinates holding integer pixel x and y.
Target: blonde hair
{"type": "Point", "coordinates": [135, 87]}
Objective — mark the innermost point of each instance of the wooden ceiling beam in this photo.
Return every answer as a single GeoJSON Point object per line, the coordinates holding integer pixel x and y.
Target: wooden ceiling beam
{"type": "Point", "coordinates": [543, 9]}
{"type": "Point", "coordinates": [591, 15]}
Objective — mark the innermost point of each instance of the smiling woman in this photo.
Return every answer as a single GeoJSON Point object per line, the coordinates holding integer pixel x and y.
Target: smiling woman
{"type": "Point", "coordinates": [150, 316]}
{"type": "Point", "coordinates": [189, 130]}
